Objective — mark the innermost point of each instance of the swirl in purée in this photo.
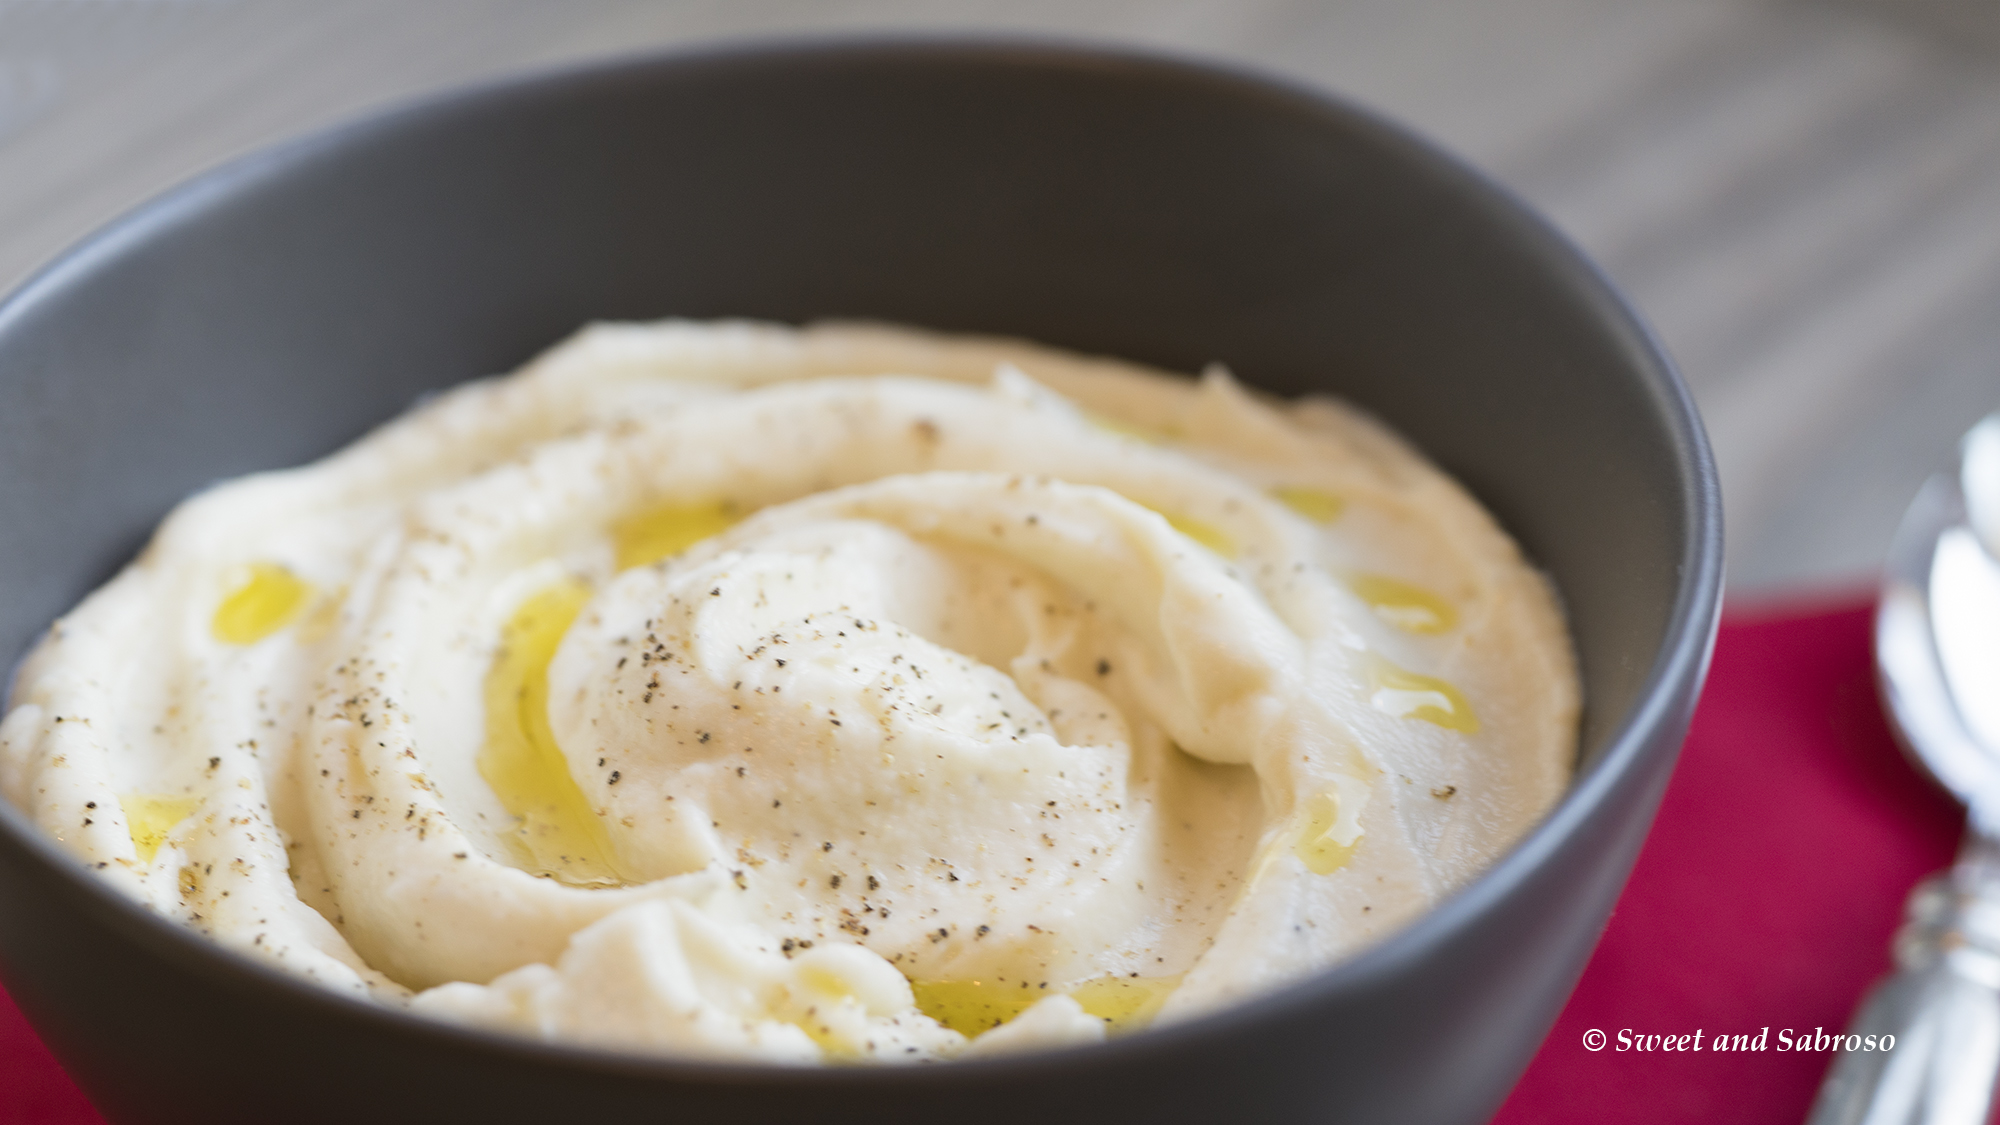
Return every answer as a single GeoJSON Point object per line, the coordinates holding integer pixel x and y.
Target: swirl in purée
{"type": "Point", "coordinates": [828, 694]}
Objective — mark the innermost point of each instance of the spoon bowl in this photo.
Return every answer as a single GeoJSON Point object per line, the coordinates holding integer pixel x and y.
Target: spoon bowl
{"type": "Point", "coordinates": [1916, 686]}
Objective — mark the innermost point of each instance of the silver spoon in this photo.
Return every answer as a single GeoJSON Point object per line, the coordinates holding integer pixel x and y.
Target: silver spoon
{"type": "Point", "coordinates": [1937, 657]}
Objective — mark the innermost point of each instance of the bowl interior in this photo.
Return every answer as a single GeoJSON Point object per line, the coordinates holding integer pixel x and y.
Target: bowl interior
{"type": "Point", "coordinates": [271, 312]}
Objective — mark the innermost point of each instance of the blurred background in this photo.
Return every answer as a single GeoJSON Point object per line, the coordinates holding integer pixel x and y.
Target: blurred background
{"type": "Point", "coordinates": [1803, 196]}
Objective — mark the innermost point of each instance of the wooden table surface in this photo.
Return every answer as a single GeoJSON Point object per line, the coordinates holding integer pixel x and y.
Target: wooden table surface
{"type": "Point", "coordinates": [1802, 195]}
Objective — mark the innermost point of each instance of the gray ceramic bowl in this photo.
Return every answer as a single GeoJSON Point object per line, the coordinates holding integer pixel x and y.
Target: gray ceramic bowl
{"type": "Point", "coordinates": [1174, 214]}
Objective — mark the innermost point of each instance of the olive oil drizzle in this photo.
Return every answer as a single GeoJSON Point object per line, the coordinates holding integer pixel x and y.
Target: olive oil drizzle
{"type": "Point", "coordinates": [267, 598]}
{"type": "Point", "coordinates": [1408, 607]}
{"type": "Point", "coordinates": [974, 1007]}
{"type": "Point", "coordinates": [1203, 532]}
{"type": "Point", "coordinates": [1133, 430]}
{"type": "Point", "coordinates": [560, 835]}
{"type": "Point", "coordinates": [1315, 504]}
{"type": "Point", "coordinates": [666, 531]}
{"type": "Point", "coordinates": [1314, 844]}
{"type": "Point", "coordinates": [1411, 695]}
{"type": "Point", "coordinates": [151, 817]}
{"type": "Point", "coordinates": [1125, 1004]}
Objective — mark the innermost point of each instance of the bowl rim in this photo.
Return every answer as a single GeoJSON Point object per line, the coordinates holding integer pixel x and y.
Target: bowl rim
{"type": "Point", "coordinates": [1678, 667]}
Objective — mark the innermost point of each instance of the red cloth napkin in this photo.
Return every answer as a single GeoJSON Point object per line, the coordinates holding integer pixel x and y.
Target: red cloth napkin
{"type": "Point", "coordinates": [1765, 897]}
{"type": "Point", "coordinates": [33, 1089]}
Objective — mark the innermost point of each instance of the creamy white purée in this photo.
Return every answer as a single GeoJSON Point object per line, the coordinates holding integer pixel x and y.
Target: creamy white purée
{"type": "Point", "coordinates": [810, 695]}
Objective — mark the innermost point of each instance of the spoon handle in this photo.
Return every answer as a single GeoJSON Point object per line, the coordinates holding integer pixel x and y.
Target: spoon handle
{"type": "Point", "coordinates": [1942, 1005]}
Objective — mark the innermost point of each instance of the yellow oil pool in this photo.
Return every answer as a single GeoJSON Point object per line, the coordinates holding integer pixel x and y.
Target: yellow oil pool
{"type": "Point", "coordinates": [559, 834]}
{"type": "Point", "coordinates": [1407, 607]}
{"type": "Point", "coordinates": [266, 599]}
{"type": "Point", "coordinates": [973, 1007]}
{"type": "Point", "coordinates": [151, 816]}
{"type": "Point", "coordinates": [666, 531]}
{"type": "Point", "coordinates": [1314, 843]}
{"type": "Point", "coordinates": [1315, 504]}
{"type": "Point", "coordinates": [1408, 695]}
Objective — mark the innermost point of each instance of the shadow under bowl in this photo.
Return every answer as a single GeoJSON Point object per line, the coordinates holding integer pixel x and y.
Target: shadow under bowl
{"type": "Point", "coordinates": [1169, 213]}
